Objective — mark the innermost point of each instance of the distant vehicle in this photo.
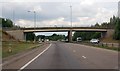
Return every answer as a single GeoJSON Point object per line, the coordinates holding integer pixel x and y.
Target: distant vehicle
{"type": "Point", "coordinates": [66, 40]}
{"type": "Point", "coordinates": [94, 41]}
{"type": "Point", "coordinates": [42, 40]}
{"type": "Point", "coordinates": [79, 39]}
{"type": "Point", "coordinates": [47, 40]}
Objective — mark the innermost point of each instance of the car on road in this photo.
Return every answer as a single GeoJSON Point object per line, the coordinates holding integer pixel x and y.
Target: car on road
{"type": "Point", "coordinates": [94, 41]}
{"type": "Point", "coordinates": [79, 39]}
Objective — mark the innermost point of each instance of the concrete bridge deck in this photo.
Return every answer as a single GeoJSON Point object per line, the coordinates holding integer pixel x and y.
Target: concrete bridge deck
{"type": "Point", "coordinates": [55, 29]}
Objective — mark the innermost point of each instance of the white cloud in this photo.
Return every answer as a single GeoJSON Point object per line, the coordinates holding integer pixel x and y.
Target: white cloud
{"type": "Point", "coordinates": [87, 2]}
{"type": "Point", "coordinates": [84, 13]}
{"type": "Point", "coordinates": [57, 0]}
{"type": "Point", "coordinates": [24, 23]}
{"type": "Point", "coordinates": [57, 12]}
{"type": "Point", "coordinates": [37, 9]}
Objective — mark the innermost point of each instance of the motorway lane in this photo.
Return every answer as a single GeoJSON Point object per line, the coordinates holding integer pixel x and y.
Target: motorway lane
{"type": "Point", "coordinates": [75, 56]}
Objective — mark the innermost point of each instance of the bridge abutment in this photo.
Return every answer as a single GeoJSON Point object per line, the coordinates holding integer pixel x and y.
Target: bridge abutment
{"type": "Point", "coordinates": [17, 34]}
{"type": "Point", "coordinates": [103, 34]}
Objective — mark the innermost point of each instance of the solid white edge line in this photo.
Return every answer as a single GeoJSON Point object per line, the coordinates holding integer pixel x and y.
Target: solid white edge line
{"type": "Point", "coordinates": [34, 58]}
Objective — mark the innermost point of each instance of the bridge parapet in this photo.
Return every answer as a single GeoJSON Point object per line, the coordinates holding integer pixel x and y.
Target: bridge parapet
{"type": "Point", "coordinates": [57, 29]}
{"type": "Point", "coordinates": [62, 28]}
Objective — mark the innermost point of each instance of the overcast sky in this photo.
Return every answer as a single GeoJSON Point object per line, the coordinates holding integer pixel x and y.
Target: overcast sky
{"type": "Point", "coordinates": [57, 12]}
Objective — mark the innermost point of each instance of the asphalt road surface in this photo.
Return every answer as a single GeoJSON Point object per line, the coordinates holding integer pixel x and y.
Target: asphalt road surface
{"type": "Point", "coordinates": [75, 56]}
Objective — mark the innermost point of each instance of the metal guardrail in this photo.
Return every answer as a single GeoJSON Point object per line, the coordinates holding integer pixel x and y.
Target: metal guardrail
{"type": "Point", "coordinates": [117, 45]}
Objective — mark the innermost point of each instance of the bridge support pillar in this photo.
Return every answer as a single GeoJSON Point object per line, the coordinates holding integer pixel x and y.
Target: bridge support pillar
{"type": "Point", "coordinates": [25, 37]}
{"type": "Point", "coordinates": [103, 34]}
{"type": "Point", "coordinates": [70, 36]}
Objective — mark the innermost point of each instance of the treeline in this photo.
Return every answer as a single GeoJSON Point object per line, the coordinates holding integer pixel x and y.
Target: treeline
{"type": "Point", "coordinates": [111, 24]}
{"type": "Point", "coordinates": [55, 37]}
{"type": "Point", "coordinates": [86, 35]}
{"type": "Point", "coordinates": [116, 35]}
{"type": "Point", "coordinates": [7, 23]}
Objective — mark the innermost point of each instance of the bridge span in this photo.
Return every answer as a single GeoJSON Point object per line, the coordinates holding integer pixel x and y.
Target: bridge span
{"type": "Point", "coordinates": [64, 29]}
{"type": "Point", "coordinates": [23, 31]}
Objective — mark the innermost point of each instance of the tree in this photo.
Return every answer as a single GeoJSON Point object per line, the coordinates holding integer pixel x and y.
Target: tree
{"type": "Point", "coordinates": [30, 36]}
{"type": "Point", "coordinates": [110, 24]}
{"type": "Point", "coordinates": [56, 37]}
{"type": "Point", "coordinates": [96, 35]}
{"type": "Point", "coordinates": [97, 25]}
{"type": "Point", "coordinates": [117, 30]}
{"type": "Point", "coordinates": [104, 25]}
{"type": "Point", "coordinates": [6, 22]}
{"type": "Point", "coordinates": [113, 21]}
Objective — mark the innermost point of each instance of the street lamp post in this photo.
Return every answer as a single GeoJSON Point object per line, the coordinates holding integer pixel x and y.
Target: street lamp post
{"type": "Point", "coordinates": [70, 32]}
{"type": "Point", "coordinates": [34, 21]}
{"type": "Point", "coordinates": [71, 15]}
{"type": "Point", "coordinates": [13, 18]}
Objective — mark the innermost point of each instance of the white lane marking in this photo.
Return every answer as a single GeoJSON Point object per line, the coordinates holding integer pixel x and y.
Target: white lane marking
{"type": "Point", "coordinates": [74, 50]}
{"type": "Point", "coordinates": [34, 58]}
{"type": "Point", "coordinates": [84, 57]}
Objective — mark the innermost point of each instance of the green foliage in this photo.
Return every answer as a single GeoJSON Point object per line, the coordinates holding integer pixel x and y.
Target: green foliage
{"type": "Point", "coordinates": [110, 24]}
{"type": "Point", "coordinates": [6, 22]}
{"type": "Point", "coordinates": [113, 24]}
{"type": "Point", "coordinates": [117, 30]}
{"type": "Point", "coordinates": [53, 37]}
{"type": "Point", "coordinates": [40, 37]}
{"type": "Point", "coordinates": [97, 25]}
{"type": "Point", "coordinates": [96, 35]}
{"type": "Point", "coordinates": [56, 37]}
{"type": "Point", "coordinates": [30, 36]}
{"type": "Point", "coordinates": [86, 35]}
{"type": "Point", "coordinates": [16, 47]}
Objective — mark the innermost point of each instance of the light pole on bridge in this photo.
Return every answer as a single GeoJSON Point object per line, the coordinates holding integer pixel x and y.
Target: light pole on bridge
{"type": "Point", "coordinates": [71, 15]}
{"type": "Point", "coordinates": [70, 32]}
{"type": "Point", "coordinates": [34, 21]}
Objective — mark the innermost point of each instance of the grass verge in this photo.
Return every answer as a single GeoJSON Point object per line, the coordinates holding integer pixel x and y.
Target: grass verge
{"type": "Point", "coordinates": [100, 46]}
{"type": "Point", "coordinates": [11, 48]}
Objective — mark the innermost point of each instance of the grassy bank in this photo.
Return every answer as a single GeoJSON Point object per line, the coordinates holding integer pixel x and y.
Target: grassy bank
{"type": "Point", "coordinates": [11, 48]}
{"type": "Point", "coordinates": [99, 46]}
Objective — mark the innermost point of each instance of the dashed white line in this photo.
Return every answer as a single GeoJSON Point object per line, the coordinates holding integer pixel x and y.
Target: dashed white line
{"type": "Point", "coordinates": [74, 50]}
{"type": "Point", "coordinates": [34, 58]}
{"type": "Point", "coordinates": [84, 57]}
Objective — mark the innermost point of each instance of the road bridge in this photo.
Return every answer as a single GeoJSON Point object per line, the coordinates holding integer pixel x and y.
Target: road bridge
{"type": "Point", "coordinates": [61, 29]}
